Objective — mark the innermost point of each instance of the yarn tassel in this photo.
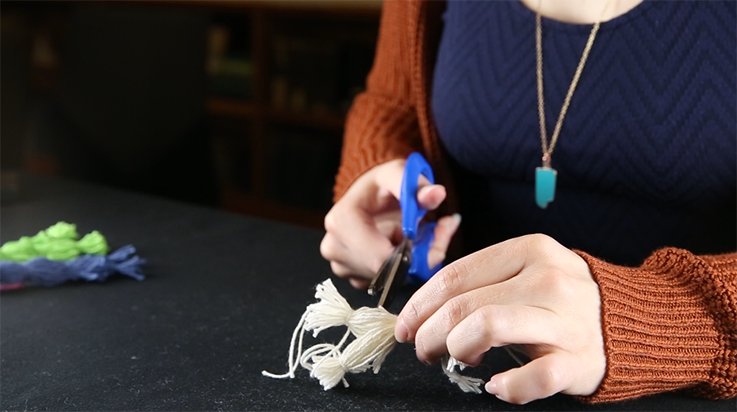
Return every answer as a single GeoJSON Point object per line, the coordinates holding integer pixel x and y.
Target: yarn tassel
{"type": "Point", "coordinates": [373, 339]}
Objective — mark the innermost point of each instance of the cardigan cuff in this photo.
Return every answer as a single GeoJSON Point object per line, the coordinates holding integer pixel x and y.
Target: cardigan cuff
{"type": "Point", "coordinates": [662, 330]}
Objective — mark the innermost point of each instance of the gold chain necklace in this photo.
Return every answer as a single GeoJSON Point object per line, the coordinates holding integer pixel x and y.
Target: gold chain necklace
{"type": "Point", "coordinates": [545, 176]}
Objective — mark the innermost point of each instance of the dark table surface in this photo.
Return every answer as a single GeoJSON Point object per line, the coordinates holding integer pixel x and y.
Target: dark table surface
{"type": "Point", "coordinates": [221, 300]}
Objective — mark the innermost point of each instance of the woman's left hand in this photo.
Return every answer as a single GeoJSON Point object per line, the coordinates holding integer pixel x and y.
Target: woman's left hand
{"type": "Point", "coordinates": [530, 292]}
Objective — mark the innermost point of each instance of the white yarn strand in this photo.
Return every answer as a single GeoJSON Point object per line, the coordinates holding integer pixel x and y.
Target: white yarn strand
{"type": "Point", "coordinates": [373, 331]}
{"type": "Point", "coordinates": [299, 330]}
{"type": "Point", "coordinates": [466, 383]}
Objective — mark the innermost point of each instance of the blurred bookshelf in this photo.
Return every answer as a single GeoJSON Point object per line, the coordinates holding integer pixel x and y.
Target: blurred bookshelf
{"type": "Point", "coordinates": [280, 78]}
{"type": "Point", "coordinates": [282, 75]}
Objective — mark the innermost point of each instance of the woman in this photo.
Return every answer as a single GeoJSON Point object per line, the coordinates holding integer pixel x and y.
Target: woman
{"type": "Point", "coordinates": [601, 209]}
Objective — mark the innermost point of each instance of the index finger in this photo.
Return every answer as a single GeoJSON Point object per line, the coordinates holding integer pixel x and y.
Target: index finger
{"type": "Point", "coordinates": [488, 266]}
{"type": "Point", "coordinates": [429, 196]}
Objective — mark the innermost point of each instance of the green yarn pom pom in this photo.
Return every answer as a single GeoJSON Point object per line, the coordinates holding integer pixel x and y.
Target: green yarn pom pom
{"type": "Point", "coordinates": [58, 242]}
{"type": "Point", "coordinates": [63, 249]}
{"type": "Point", "coordinates": [42, 243]}
{"type": "Point", "coordinates": [18, 250]}
{"type": "Point", "coordinates": [63, 230]}
{"type": "Point", "coordinates": [93, 243]}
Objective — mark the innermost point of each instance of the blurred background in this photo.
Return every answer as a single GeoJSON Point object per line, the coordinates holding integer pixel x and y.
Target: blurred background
{"type": "Point", "coordinates": [238, 105]}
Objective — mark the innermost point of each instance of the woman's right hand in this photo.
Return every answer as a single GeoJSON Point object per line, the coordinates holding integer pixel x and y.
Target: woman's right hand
{"type": "Point", "coordinates": [365, 225]}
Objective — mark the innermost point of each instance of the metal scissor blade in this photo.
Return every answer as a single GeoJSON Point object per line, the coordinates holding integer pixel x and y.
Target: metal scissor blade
{"type": "Point", "coordinates": [392, 273]}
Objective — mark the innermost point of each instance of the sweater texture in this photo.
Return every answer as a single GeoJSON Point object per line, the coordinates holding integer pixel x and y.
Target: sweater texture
{"type": "Point", "coordinates": [669, 321]}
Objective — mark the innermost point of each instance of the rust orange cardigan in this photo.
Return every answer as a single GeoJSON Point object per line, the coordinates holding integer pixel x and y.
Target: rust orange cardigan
{"type": "Point", "coordinates": [668, 324]}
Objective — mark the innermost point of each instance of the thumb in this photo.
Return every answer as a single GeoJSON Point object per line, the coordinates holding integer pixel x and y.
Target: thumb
{"type": "Point", "coordinates": [541, 378]}
{"type": "Point", "coordinates": [429, 197]}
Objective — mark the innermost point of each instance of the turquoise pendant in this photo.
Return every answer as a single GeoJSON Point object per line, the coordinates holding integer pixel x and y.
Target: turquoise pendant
{"type": "Point", "coordinates": [544, 185]}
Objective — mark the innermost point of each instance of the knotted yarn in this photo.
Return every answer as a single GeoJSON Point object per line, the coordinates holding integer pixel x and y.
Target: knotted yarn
{"type": "Point", "coordinates": [373, 332]}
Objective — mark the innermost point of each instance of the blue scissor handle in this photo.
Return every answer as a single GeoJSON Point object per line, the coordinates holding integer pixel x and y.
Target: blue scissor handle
{"type": "Point", "coordinates": [411, 213]}
{"type": "Point", "coordinates": [419, 272]}
{"type": "Point", "coordinates": [421, 235]}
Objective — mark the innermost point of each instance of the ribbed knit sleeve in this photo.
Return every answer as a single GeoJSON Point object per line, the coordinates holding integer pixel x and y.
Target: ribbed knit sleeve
{"type": "Point", "coordinates": [382, 123]}
{"type": "Point", "coordinates": [669, 324]}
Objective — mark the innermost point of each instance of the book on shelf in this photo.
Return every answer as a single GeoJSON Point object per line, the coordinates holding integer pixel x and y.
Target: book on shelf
{"type": "Point", "coordinates": [317, 76]}
{"type": "Point", "coordinates": [229, 68]}
{"type": "Point", "coordinates": [231, 156]}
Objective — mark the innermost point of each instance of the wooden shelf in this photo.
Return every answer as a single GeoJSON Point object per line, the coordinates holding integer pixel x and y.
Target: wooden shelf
{"type": "Point", "coordinates": [371, 7]}
{"type": "Point", "coordinates": [291, 68]}
{"type": "Point", "coordinates": [282, 34]}
{"type": "Point", "coordinates": [242, 203]}
{"type": "Point", "coordinates": [317, 120]}
{"type": "Point", "coordinates": [234, 108]}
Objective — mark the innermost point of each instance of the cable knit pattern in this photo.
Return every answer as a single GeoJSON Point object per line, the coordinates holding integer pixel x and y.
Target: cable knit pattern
{"type": "Point", "coordinates": [668, 324]}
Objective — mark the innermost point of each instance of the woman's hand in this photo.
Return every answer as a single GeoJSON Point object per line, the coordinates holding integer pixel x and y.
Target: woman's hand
{"type": "Point", "coordinates": [365, 224]}
{"type": "Point", "coordinates": [528, 291]}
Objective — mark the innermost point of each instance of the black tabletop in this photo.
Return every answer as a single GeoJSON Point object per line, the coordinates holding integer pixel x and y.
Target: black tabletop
{"type": "Point", "coordinates": [222, 297]}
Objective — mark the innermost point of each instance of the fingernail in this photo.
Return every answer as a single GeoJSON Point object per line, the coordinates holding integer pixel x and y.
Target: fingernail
{"type": "Point", "coordinates": [440, 256]}
{"type": "Point", "coordinates": [456, 220]}
{"type": "Point", "coordinates": [421, 354]}
{"type": "Point", "coordinates": [491, 387]}
{"type": "Point", "coordinates": [401, 333]}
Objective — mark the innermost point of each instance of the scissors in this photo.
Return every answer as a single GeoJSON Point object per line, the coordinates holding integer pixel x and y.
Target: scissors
{"type": "Point", "coordinates": [408, 261]}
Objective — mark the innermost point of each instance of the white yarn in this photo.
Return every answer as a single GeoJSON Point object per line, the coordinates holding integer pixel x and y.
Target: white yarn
{"type": "Point", "coordinates": [373, 331]}
{"type": "Point", "coordinates": [466, 383]}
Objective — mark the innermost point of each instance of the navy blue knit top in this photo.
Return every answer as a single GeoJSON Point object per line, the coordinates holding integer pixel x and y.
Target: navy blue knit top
{"type": "Point", "coordinates": [647, 154]}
